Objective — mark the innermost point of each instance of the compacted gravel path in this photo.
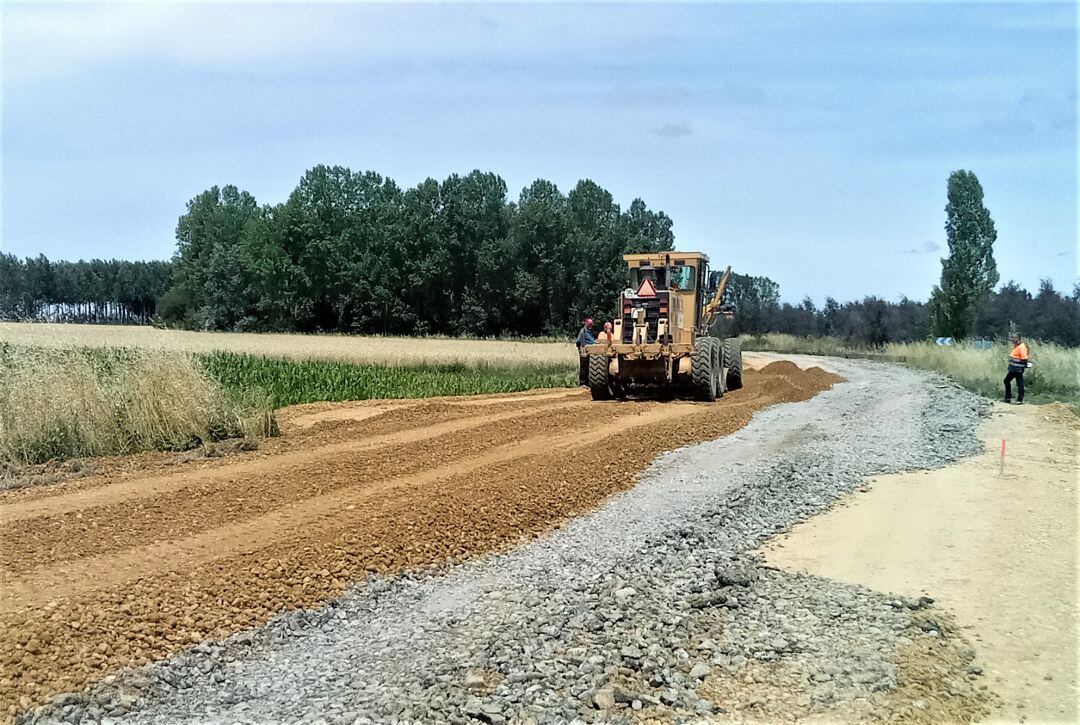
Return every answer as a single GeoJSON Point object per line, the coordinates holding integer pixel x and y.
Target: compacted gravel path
{"type": "Point", "coordinates": [653, 607]}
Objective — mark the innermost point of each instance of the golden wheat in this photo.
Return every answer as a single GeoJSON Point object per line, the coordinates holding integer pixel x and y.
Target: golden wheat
{"type": "Point", "coordinates": [391, 351]}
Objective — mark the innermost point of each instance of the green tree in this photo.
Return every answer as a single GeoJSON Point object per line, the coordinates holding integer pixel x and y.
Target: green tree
{"type": "Point", "coordinates": [478, 221]}
{"type": "Point", "coordinates": [756, 299]}
{"type": "Point", "coordinates": [543, 280]}
{"type": "Point", "coordinates": [40, 286]}
{"type": "Point", "coordinates": [969, 273]}
{"type": "Point", "coordinates": [279, 285]}
{"type": "Point", "coordinates": [645, 230]}
{"type": "Point", "coordinates": [425, 247]}
{"type": "Point", "coordinates": [12, 279]}
{"type": "Point", "coordinates": [1055, 316]}
{"type": "Point", "coordinates": [351, 251]}
{"type": "Point", "coordinates": [597, 242]}
{"type": "Point", "coordinates": [210, 284]}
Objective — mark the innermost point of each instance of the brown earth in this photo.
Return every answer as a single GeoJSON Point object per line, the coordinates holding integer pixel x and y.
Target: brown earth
{"type": "Point", "coordinates": [149, 554]}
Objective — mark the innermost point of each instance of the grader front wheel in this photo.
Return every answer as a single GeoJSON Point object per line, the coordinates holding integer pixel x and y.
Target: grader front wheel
{"type": "Point", "coordinates": [703, 372]}
{"type": "Point", "coordinates": [599, 382]}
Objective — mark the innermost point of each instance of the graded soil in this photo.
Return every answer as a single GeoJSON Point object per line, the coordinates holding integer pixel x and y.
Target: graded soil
{"type": "Point", "coordinates": [151, 554]}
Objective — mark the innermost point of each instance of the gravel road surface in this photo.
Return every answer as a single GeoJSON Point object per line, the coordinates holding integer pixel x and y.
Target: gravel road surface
{"type": "Point", "coordinates": [649, 608]}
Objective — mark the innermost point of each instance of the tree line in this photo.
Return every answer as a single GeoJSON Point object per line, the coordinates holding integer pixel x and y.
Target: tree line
{"type": "Point", "coordinates": [1047, 315]}
{"type": "Point", "coordinates": [128, 292]}
{"type": "Point", "coordinates": [118, 291]}
{"type": "Point", "coordinates": [354, 252]}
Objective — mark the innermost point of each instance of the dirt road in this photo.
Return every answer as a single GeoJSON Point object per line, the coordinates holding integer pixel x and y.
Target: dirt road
{"type": "Point", "coordinates": [997, 549]}
{"type": "Point", "coordinates": [156, 552]}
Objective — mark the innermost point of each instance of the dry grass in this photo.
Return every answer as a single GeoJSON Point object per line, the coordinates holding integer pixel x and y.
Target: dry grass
{"type": "Point", "coordinates": [1055, 376]}
{"type": "Point", "coordinates": [69, 402]}
{"type": "Point", "coordinates": [390, 351]}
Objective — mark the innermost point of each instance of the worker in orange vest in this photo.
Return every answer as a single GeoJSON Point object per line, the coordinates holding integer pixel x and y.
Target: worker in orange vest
{"type": "Point", "coordinates": [1018, 363]}
{"type": "Point", "coordinates": [606, 337]}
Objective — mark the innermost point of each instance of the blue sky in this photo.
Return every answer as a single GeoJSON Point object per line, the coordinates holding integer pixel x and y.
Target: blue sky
{"type": "Point", "coordinates": [810, 143]}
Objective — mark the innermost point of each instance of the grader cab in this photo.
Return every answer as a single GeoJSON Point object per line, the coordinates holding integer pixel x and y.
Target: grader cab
{"type": "Point", "coordinates": [669, 333]}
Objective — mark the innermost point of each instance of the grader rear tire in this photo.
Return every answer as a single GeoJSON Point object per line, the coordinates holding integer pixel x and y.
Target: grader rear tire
{"type": "Point", "coordinates": [599, 382]}
{"type": "Point", "coordinates": [703, 374]}
{"type": "Point", "coordinates": [733, 353]}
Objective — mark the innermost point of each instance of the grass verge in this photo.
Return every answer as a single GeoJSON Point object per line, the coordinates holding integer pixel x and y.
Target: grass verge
{"type": "Point", "coordinates": [1055, 377]}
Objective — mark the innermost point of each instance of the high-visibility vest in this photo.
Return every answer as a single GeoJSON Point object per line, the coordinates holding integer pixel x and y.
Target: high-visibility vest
{"type": "Point", "coordinates": [1019, 355]}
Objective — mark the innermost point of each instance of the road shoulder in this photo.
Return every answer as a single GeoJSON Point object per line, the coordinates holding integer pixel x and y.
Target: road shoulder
{"type": "Point", "coordinates": [996, 549]}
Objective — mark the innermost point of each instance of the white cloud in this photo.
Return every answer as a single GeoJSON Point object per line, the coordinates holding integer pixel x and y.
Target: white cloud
{"type": "Point", "coordinates": [925, 248]}
{"type": "Point", "coordinates": [48, 40]}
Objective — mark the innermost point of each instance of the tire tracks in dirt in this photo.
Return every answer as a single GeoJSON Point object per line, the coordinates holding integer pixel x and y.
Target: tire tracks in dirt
{"type": "Point", "coordinates": [101, 520]}
{"type": "Point", "coordinates": [150, 487]}
{"type": "Point", "coordinates": [36, 586]}
{"type": "Point", "coordinates": [187, 554]}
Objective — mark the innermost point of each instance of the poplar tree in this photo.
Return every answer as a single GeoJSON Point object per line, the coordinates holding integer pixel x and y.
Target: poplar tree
{"type": "Point", "coordinates": [969, 273]}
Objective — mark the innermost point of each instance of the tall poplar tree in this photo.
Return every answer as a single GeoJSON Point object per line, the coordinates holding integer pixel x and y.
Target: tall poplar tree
{"type": "Point", "coordinates": [969, 273]}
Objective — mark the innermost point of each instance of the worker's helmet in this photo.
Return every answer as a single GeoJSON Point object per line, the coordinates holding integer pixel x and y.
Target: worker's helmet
{"type": "Point", "coordinates": [607, 327]}
{"type": "Point", "coordinates": [588, 322]}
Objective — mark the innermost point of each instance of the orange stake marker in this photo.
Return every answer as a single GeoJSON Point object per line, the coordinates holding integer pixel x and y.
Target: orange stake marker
{"type": "Point", "coordinates": [1002, 456]}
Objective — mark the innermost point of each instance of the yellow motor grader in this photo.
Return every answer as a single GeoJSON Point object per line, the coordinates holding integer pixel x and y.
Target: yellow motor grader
{"type": "Point", "coordinates": [669, 335]}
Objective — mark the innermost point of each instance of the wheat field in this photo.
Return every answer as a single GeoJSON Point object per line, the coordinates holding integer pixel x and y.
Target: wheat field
{"type": "Point", "coordinates": [389, 351]}
{"type": "Point", "coordinates": [86, 390]}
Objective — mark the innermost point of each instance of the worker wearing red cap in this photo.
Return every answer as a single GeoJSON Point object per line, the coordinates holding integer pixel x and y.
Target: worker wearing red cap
{"type": "Point", "coordinates": [584, 337]}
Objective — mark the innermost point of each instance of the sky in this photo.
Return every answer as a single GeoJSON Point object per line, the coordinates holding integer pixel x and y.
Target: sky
{"type": "Point", "coordinates": [810, 143]}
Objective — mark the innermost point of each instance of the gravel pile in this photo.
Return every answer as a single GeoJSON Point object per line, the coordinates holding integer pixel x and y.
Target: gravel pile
{"type": "Point", "coordinates": [651, 607]}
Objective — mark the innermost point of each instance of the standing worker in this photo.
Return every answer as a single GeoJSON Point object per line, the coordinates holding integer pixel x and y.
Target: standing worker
{"type": "Point", "coordinates": [584, 337]}
{"type": "Point", "coordinates": [1018, 362]}
{"type": "Point", "coordinates": [606, 337]}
